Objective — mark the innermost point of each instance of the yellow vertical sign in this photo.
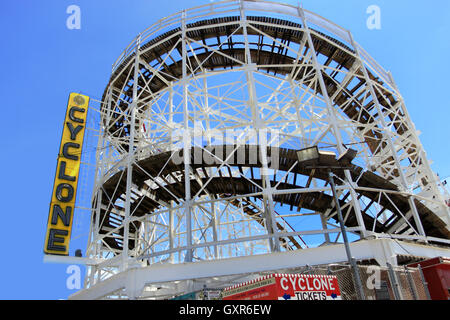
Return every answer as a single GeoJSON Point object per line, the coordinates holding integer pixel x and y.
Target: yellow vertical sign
{"type": "Point", "coordinates": [62, 206]}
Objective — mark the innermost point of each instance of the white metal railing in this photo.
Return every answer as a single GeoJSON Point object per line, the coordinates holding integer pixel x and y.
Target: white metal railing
{"type": "Point", "coordinates": [228, 6]}
{"type": "Point", "coordinates": [216, 8]}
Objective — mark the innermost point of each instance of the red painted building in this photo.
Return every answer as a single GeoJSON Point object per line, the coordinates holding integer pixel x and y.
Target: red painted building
{"type": "Point", "coordinates": [437, 274]}
{"type": "Point", "coordinates": [286, 287]}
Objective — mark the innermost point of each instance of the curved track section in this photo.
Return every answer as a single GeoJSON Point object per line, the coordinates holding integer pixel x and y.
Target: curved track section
{"type": "Point", "coordinates": [274, 59]}
{"type": "Point", "coordinates": [148, 171]}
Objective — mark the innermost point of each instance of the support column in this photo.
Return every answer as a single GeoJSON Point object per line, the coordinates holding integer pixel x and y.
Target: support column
{"type": "Point", "coordinates": [426, 164]}
{"type": "Point", "coordinates": [130, 158]}
{"type": "Point", "coordinates": [186, 145]}
{"type": "Point", "coordinates": [333, 120]}
{"type": "Point", "coordinates": [208, 137]}
{"type": "Point", "coordinates": [388, 133]}
{"type": "Point", "coordinates": [269, 208]}
{"type": "Point", "coordinates": [171, 231]}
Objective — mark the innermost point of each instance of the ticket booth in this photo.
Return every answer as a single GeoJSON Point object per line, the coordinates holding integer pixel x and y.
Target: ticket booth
{"type": "Point", "coordinates": [286, 287]}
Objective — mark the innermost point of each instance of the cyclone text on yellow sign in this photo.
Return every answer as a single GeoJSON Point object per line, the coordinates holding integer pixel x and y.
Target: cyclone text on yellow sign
{"type": "Point", "coordinates": [62, 206]}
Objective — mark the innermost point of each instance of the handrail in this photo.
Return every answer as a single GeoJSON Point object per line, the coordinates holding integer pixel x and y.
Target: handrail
{"type": "Point", "coordinates": [227, 6]}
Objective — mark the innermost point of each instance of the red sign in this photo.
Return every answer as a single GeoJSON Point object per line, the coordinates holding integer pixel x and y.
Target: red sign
{"type": "Point", "coordinates": [286, 287]}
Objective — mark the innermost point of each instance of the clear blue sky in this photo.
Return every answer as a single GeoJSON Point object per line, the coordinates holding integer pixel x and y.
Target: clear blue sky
{"type": "Point", "coordinates": [42, 62]}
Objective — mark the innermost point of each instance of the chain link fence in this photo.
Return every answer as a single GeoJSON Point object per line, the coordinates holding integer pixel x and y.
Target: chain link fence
{"type": "Point", "coordinates": [379, 283]}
